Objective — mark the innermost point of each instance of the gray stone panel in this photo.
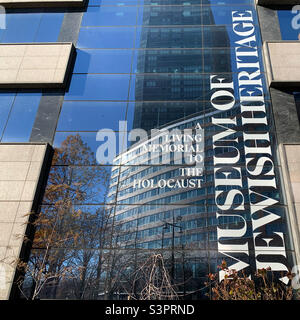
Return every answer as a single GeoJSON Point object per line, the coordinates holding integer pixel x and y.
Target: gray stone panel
{"type": "Point", "coordinates": [47, 116]}
{"type": "Point", "coordinates": [269, 24]}
{"type": "Point", "coordinates": [285, 116]}
{"type": "Point", "coordinates": [70, 27]}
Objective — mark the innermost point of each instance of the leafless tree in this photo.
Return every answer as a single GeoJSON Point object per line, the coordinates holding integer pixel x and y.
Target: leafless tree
{"type": "Point", "coordinates": [65, 230]}
{"type": "Point", "coordinates": [239, 286]}
{"type": "Point", "coordinates": [152, 280]}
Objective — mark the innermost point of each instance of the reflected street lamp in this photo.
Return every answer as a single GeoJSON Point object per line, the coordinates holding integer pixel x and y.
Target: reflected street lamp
{"type": "Point", "coordinates": [173, 225]}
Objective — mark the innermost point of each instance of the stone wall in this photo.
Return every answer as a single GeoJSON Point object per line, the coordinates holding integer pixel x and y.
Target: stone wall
{"type": "Point", "coordinates": [21, 173]}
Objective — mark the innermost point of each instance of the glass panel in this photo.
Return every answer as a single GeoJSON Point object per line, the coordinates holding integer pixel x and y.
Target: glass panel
{"type": "Point", "coordinates": [224, 60]}
{"type": "Point", "coordinates": [164, 37]}
{"type": "Point", "coordinates": [191, 265]}
{"type": "Point", "coordinates": [289, 24]}
{"type": "Point", "coordinates": [91, 115]}
{"type": "Point", "coordinates": [168, 61]}
{"type": "Point", "coordinates": [49, 27]}
{"type": "Point", "coordinates": [216, 15]}
{"type": "Point", "coordinates": [21, 27]}
{"type": "Point", "coordinates": [110, 16]}
{"type": "Point", "coordinates": [98, 87]}
{"type": "Point", "coordinates": [82, 184]}
{"type": "Point", "coordinates": [234, 77]}
{"type": "Point", "coordinates": [114, 2]}
{"type": "Point", "coordinates": [167, 87]}
{"type": "Point", "coordinates": [31, 27]}
{"type": "Point", "coordinates": [188, 15]}
{"type": "Point", "coordinates": [170, 15]}
{"type": "Point", "coordinates": [65, 141]}
{"type": "Point", "coordinates": [220, 36]}
{"type": "Point", "coordinates": [103, 61]}
{"type": "Point", "coordinates": [6, 102]}
{"type": "Point", "coordinates": [106, 37]}
{"type": "Point", "coordinates": [22, 117]}
{"type": "Point", "coordinates": [149, 115]}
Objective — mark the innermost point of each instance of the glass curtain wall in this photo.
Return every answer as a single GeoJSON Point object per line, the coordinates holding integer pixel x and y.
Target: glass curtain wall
{"type": "Point", "coordinates": [147, 62]}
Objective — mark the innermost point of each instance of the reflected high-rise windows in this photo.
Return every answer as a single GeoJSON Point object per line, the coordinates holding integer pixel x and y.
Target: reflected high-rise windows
{"type": "Point", "coordinates": [150, 63]}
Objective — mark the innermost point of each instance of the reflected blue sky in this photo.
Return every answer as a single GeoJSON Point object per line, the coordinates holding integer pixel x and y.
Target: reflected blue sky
{"type": "Point", "coordinates": [288, 31]}
{"type": "Point", "coordinates": [98, 87]}
{"type": "Point", "coordinates": [91, 116]}
{"type": "Point", "coordinates": [18, 110]}
{"type": "Point", "coordinates": [31, 27]}
{"type": "Point", "coordinates": [21, 118]}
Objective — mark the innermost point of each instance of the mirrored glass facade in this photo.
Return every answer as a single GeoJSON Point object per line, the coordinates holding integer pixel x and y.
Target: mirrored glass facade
{"type": "Point", "coordinates": [156, 64]}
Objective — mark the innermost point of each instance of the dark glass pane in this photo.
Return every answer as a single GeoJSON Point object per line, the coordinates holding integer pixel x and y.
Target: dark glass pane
{"type": "Point", "coordinates": [192, 265]}
{"type": "Point", "coordinates": [170, 15]}
{"type": "Point", "coordinates": [168, 61]}
{"type": "Point", "coordinates": [167, 87]}
{"type": "Point", "coordinates": [222, 36]}
{"type": "Point", "coordinates": [149, 115]}
{"type": "Point", "coordinates": [165, 37]}
{"type": "Point", "coordinates": [169, 2]}
{"type": "Point", "coordinates": [233, 77]}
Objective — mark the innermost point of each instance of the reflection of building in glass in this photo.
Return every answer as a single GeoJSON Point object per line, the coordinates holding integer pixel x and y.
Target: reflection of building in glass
{"type": "Point", "coordinates": [182, 65]}
{"type": "Point", "coordinates": [164, 218]}
{"type": "Point", "coordinates": [149, 62]}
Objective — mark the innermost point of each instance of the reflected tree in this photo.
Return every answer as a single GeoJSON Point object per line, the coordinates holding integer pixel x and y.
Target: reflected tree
{"type": "Point", "coordinates": [69, 236]}
{"type": "Point", "coordinates": [153, 280]}
{"type": "Point", "coordinates": [264, 285]}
